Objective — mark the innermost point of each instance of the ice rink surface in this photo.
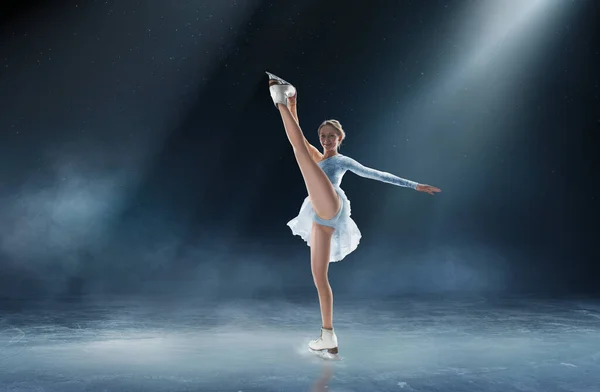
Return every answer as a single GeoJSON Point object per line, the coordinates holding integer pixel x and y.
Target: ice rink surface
{"type": "Point", "coordinates": [407, 344]}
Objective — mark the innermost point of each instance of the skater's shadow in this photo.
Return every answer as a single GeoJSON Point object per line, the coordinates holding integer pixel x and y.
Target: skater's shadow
{"type": "Point", "coordinates": [322, 383]}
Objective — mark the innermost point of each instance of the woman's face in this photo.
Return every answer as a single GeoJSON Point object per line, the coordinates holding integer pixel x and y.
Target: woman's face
{"type": "Point", "coordinates": [329, 137]}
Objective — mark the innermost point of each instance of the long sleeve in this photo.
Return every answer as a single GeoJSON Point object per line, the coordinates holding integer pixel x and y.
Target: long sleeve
{"type": "Point", "coordinates": [373, 174]}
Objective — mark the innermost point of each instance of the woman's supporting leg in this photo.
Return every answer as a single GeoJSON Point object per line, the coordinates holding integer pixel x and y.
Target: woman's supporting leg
{"type": "Point", "coordinates": [320, 246]}
{"type": "Point", "coordinates": [324, 198]}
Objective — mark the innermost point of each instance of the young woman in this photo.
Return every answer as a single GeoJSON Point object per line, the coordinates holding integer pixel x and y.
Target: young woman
{"type": "Point", "coordinates": [324, 220]}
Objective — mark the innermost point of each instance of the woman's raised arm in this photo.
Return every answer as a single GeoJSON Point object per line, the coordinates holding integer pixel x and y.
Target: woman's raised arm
{"type": "Point", "coordinates": [316, 155]}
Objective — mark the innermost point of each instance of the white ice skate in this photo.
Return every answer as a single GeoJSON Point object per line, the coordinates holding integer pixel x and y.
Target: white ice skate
{"type": "Point", "coordinates": [327, 343]}
{"type": "Point", "coordinates": [280, 89]}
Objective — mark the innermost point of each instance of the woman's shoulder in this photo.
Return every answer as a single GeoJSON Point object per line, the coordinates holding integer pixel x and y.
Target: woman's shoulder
{"type": "Point", "coordinates": [346, 158]}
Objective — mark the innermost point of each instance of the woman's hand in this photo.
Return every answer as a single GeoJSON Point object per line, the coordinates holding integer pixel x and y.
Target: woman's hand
{"type": "Point", "coordinates": [428, 189]}
{"type": "Point", "coordinates": [292, 100]}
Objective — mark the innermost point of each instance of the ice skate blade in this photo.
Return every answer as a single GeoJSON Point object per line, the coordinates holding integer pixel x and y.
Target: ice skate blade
{"type": "Point", "coordinates": [326, 354]}
{"type": "Point", "coordinates": [328, 350]}
{"type": "Point", "coordinates": [274, 79]}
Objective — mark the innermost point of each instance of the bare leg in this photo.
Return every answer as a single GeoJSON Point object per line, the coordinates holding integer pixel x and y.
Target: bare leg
{"type": "Point", "coordinates": [320, 245]}
{"type": "Point", "coordinates": [325, 201]}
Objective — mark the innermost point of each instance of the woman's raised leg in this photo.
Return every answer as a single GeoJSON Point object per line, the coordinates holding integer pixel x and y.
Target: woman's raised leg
{"type": "Point", "coordinates": [324, 198]}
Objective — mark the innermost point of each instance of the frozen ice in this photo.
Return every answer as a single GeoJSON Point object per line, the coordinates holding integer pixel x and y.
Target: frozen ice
{"type": "Point", "coordinates": [405, 344]}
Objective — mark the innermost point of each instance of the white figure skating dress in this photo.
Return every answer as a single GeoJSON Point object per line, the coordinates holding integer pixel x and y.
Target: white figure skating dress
{"type": "Point", "coordinates": [346, 236]}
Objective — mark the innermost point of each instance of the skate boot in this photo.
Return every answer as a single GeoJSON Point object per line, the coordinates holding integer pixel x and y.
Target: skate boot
{"type": "Point", "coordinates": [328, 341]}
{"type": "Point", "coordinates": [280, 89]}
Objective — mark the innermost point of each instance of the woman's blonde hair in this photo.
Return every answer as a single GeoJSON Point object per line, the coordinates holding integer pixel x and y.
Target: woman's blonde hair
{"type": "Point", "coordinates": [338, 127]}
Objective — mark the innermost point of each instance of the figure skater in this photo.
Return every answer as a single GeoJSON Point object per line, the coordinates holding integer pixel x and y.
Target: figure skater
{"type": "Point", "coordinates": [324, 220]}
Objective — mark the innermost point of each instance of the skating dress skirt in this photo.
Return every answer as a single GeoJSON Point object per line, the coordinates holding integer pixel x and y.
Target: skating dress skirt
{"type": "Point", "coordinates": [346, 235]}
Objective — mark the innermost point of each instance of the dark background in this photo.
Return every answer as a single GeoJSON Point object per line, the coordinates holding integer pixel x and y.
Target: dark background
{"type": "Point", "coordinates": [142, 155]}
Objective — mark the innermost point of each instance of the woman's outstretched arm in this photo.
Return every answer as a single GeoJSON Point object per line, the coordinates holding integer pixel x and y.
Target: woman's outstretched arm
{"type": "Point", "coordinates": [367, 172]}
{"type": "Point", "coordinates": [386, 177]}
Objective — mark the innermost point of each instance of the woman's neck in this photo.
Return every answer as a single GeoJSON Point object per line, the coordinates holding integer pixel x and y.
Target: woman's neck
{"type": "Point", "coordinates": [329, 154]}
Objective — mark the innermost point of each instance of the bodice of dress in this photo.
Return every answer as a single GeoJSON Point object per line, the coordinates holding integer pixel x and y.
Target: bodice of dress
{"type": "Point", "coordinates": [336, 166]}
